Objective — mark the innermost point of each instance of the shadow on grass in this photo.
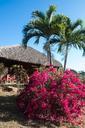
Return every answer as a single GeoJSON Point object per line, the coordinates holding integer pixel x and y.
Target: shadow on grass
{"type": "Point", "coordinates": [9, 111]}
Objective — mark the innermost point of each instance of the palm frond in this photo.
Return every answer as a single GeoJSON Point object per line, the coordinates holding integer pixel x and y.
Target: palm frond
{"type": "Point", "coordinates": [84, 51]}
{"type": "Point", "coordinates": [38, 14]}
{"type": "Point", "coordinates": [24, 42]}
{"type": "Point", "coordinates": [37, 38]}
{"type": "Point", "coordinates": [82, 31]}
{"type": "Point", "coordinates": [82, 47]}
{"type": "Point", "coordinates": [54, 41]}
{"type": "Point", "coordinates": [50, 11]}
{"type": "Point", "coordinates": [28, 27]}
{"type": "Point", "coordinates": [77, 36]}
{"type": "Point", "coordinates": [28, 36]}
{"type": "Point", "coordinates": [60, 49]}
{"type": "Point", "coordinates": [76, 24]}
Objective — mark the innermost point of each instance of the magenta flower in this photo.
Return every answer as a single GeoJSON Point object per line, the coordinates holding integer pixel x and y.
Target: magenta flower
{"type": "Point", "coordinates": [53, 96]}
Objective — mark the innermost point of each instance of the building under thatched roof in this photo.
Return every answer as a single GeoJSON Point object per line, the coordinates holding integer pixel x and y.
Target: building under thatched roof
{"type": "Point", "coordinates": [18, 55]}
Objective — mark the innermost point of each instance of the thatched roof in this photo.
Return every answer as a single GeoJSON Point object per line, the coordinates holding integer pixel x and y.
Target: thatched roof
{"type": "Point", "coordinates": [28, 55]}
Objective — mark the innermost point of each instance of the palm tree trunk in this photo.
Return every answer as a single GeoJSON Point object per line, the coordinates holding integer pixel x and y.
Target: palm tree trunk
{"type": "Point", "coordinates": [50, 59]}
{"type": "Point", "coordinates": [49, 55]}
{"type": "Point", "coordinates": [66, 55]}
{"type": "Point", "coordinates": [48, 50]}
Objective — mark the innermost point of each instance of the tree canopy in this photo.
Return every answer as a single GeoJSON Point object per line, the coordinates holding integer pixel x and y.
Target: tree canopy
{"type": "Point", "coordinates": [56, 30]}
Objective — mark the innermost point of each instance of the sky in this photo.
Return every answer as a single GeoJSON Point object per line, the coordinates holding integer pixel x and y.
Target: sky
{"type": "Point", "coordinates": [14, 14]}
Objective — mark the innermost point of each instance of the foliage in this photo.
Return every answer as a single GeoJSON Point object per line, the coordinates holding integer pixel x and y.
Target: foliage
{"type": "Point", "coordinates": [53, 96]}
{"type": "Point", "coordinates": [72, 34]}
{"type": "Point", "coordinates": [82, 76]}
{"type": "Point", "coordinates": [43, 25]}
{"type": "Point", "coordinates": [20, 73]}
{"type": "Point", "coordinates": [56, 30]}
{"type": "Point", "coordinates": [1, 68]}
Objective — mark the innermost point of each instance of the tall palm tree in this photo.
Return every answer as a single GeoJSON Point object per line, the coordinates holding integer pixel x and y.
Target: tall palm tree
{"type": "Point", "coordinates": [72, 35]}
{"type": "Point", "coordinates": [43, 25]}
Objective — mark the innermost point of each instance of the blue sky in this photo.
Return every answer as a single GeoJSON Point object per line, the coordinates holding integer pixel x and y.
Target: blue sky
{"type": "Point", "coordinates": [14, 14]}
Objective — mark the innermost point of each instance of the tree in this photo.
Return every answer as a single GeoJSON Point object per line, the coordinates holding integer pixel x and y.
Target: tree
{"type": "Point", "coordinates": [43, 25]}
{"type": "Point", "coordinates": [71, 35]}
{"type": "Point", "coordinates": [74, 36]}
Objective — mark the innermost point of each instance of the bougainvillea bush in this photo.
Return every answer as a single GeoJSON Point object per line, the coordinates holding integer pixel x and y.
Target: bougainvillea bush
{"type": "Point", "coordinates": [53, 96]}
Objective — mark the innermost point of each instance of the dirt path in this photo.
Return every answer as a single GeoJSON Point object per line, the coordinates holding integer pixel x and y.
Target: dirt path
{"type": "Point", "coordinates": [9, 114]}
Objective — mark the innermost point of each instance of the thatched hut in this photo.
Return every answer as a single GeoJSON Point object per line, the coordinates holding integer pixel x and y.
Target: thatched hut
{"type": "Point", "coordinates": [28, 58]}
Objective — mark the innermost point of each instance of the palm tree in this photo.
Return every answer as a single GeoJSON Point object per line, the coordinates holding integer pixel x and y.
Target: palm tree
{"type": "Point", "coordinates": [43, 25]}
{"type": "Point", "coordinates": [72, 35]}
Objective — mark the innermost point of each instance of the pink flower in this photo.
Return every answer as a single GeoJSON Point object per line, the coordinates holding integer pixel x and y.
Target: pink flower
{"type": "Point", "coordinates": [44, 105]}
{"type": "Point", "coordinates": [53, 96]}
